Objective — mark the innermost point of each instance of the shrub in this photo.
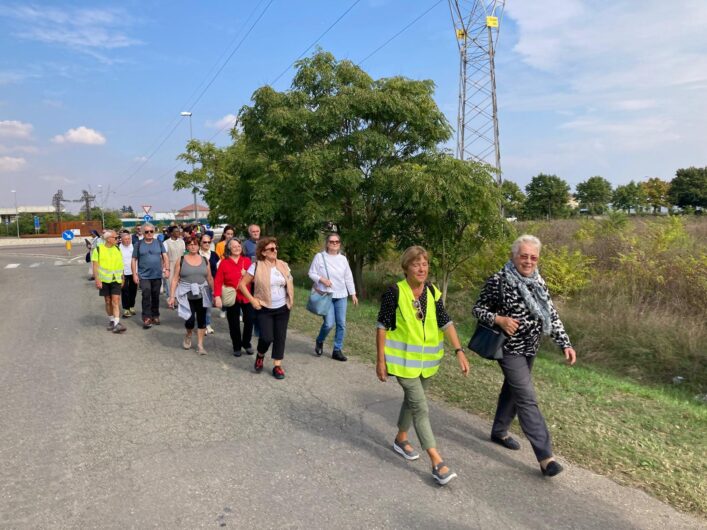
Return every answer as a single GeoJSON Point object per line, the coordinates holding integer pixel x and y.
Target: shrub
{"type": "Point", "coordinates": [566, 272]}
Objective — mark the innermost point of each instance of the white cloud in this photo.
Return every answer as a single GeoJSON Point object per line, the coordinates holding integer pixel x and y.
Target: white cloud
{"type": "Point", "coordinates": [15, 129]}
{"type": "Point", "coordinates": [28, 149]}
{"type": "Point", "coordinates": [80, 135]}
{"type": "Point", "coordinates": [84, 29]}
{"type": "Point", "coordinates": [229, 120]}
{"type": "Point", "coordinates": [7, 78]}
{"type": "Point", "coordinates": [11, 163]}
{"type": "Point", "coordinates": [58, 179]}
{"type": "Point", "coordinates": [140, 159]}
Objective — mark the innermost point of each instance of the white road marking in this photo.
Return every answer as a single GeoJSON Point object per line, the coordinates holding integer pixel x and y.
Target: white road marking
{"type": "Point", "coordinates": [58, 263]}
{"type": "Point", "coordinates": [34, 265]}
{"type": "Point", "coordinates": [12, 265]}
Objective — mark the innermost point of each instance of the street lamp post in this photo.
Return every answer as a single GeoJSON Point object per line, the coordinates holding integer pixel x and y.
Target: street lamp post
{"type": "Point", "coordinates": [103, 217]}
{"type": "Point", "coordinates": [187, 114]}
{"type": "Point", "coordinates": [17, 214]}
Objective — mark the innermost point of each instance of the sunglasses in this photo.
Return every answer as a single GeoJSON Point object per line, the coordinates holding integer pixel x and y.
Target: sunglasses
{"type": "Point", "coordinates": [335, 242]}
{"type": "Point", "coordinates": [149, 231]}
{"type": "Point", "coordinates": [528, 256]}
{"type": "Point", "coordinates": [205, 241]}
{"type": "Point", "coordinates": [418, 309]}
{"type": "Point", "coordinates": [270, 249]}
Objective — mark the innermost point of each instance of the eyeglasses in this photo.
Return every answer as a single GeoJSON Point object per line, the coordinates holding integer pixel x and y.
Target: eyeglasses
{"type": "Point", "coordinates": [528, 256]}
{"type": "Point", "coordinates": [149, 231]}
{"type": "Point", "coordinates": [205, 241]}
{"type": "Point", "coordinates": [335, 242]}
{"type": "Point", "coordinates": [270, 249]}
{"type": "Point", "coordinates": [418, 308]}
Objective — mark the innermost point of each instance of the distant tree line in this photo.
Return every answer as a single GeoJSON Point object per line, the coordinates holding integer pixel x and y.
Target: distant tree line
{"type": "Point", "coordinates": [548, 196]}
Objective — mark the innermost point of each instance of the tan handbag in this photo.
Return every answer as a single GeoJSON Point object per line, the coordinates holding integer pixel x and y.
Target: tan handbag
{"type": "Point", "coordinates": [228, 296]}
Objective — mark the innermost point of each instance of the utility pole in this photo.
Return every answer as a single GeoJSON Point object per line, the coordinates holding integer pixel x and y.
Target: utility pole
{"type": "Point", "coordinates": [195, 189]}
{"type": "Point", "coordinates": [476, 23]}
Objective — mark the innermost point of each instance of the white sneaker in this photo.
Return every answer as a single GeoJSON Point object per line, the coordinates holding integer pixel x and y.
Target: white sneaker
{"type": "Point", "coordinates": [209, 330]}
{"type": "Point", "coordinates": [223, 314]}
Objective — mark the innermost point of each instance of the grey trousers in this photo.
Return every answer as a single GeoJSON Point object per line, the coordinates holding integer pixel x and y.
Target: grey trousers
{"type": "Point", "coordinates": [518, 397]}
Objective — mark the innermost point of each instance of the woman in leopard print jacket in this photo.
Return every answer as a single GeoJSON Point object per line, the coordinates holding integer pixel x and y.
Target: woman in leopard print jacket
{"type": "Point", "coordinates": [517, 300]}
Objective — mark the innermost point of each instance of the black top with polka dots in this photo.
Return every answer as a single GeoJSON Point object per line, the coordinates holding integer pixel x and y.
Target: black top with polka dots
{"type": "Point", "coordinates": [389, 304]}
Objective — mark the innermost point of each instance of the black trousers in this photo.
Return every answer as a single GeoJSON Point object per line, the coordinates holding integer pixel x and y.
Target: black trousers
{"type": "Point", "coordinates": [128, 292]}
{"type": "Point", "coordinates": [518, 397]}
{"type": "Point", "coordinates": [273, 330]}
{"type": "Point", "coordinates": [198, 313]}
{"type": "Point", "coordinates": [150, 297]}
{"type": "Point", "coordinates": [234, 325]}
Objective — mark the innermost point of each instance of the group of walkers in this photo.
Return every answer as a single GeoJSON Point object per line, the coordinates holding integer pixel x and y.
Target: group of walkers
{"type": "Point", "coordinates": [253, 287]}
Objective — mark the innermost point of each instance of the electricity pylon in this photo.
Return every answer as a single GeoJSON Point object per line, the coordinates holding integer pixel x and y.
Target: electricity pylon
{"type": "Point", "coordinates": [477, 23]}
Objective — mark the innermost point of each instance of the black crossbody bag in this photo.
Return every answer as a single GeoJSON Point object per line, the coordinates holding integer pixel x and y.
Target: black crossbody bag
{"type": "Point", "coordinates": [488, 341]}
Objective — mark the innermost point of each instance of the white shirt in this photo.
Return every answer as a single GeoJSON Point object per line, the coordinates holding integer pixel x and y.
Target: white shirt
{"type": "Point", "coordinates": [175, 250]}
{"type": "Point", "coordinates": [339, 274]}
{"type": "Point", "coordinates": [127, 253]}
{"type": "Point", "coordinates": [278, 287]}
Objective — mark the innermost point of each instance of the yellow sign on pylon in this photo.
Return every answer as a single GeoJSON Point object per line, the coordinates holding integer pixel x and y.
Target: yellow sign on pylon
{"type": "Point", "coordinates": [461, 34]}
{"type": "Point", "coordinates": [68, 246]}
{"type": "Point", "coordinates": [491, 22]}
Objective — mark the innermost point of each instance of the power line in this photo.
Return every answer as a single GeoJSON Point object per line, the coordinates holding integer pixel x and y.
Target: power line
{"type": "Point", "coordinates": [316, 41]}
{"type": "Point", "coordinates": [399, 33]}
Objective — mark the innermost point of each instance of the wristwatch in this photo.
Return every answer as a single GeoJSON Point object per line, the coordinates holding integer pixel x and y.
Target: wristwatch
{"type": "Point", "coordinates": [459, 350]}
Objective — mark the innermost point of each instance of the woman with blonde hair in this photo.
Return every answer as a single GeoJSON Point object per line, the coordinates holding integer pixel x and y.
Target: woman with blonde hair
{"type": "Point", "coordinates": [412, 324]}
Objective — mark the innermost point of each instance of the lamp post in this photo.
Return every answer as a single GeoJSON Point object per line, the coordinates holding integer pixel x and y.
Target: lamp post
{"type": "Point", "coordinates": [17, 214]}
{"type": "Point", "coordinates": [103, 217]}
{"type": "Point", "coordinates": [187, 114]}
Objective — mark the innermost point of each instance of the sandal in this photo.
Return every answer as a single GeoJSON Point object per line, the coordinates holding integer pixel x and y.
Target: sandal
{"type": "Point", "coordinates": [442, 478]}
{"type": "Point", "coordinates": [187, 342]}
{"type": "Point", "coordinates": [407, 454]}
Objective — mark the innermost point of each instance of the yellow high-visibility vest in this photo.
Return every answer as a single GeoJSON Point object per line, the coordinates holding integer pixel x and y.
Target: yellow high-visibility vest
{"type": "Point", "coordinates": [110, 263]}
{"type": "Point", "coordinates": [414, 347]}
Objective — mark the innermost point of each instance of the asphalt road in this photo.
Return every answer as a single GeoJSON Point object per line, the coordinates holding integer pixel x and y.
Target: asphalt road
{"type": "Point", "coordinates": [131, 431]}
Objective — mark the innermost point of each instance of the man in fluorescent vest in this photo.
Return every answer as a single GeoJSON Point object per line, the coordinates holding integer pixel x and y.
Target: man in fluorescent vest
{"type": "Point", "coordinates": [412, 323]}
{"type": "Point", "coordinates": [107, 261]}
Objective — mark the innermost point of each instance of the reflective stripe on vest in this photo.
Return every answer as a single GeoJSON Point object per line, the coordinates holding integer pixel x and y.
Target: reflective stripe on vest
{"type": "Point", "coordinates": [414, 347]}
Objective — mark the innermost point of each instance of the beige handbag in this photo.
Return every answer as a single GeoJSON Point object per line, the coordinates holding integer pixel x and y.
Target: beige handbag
{"type": "Point", "coordinates": [228, 296]}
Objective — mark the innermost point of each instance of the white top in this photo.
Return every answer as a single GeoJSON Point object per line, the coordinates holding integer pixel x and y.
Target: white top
{"type": "Point", "coordinates": [339, 274]}
{"type": "Point", "coordinates": [278, 287]}
{"type": "Point", "coordinates": [127, 253]}
{"type": "Point", "coordinates": [175, 250]}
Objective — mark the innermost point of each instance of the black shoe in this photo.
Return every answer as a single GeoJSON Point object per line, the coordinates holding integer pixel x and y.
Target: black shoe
{"type": "Point", "coordinates": [551, 469]}
{"type": "Point", "coordinates": [338, 356]}
{"type": "Point", "coordinates": [319, 348]}
{"type": "Point", "coordinates": [508, 442]}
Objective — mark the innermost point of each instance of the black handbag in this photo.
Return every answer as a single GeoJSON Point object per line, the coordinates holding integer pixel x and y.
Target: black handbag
{"type": "Point", "coordinates": [488, 341]}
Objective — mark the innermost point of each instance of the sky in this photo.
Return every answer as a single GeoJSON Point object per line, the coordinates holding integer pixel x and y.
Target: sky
{"type": "Point", "coordinates": [91, 92]}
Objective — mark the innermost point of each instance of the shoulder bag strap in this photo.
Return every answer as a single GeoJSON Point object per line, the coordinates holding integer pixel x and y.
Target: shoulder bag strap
{"type": "Point", "coordinates": [325, 267]}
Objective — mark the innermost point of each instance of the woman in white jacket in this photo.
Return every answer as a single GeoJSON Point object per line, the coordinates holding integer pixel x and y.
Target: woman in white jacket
{"type": "Point", "coordinates": [331, 273]}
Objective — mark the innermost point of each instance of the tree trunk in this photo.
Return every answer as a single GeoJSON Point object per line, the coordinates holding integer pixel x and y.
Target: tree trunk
{"type": "Point", "coordinates": [356, 263]}
{"type": "Point", "coordinates": [446, 274]}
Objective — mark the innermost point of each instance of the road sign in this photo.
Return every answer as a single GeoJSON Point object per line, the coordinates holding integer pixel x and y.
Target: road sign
{"type": "Point", "coordinates": [67, 235]}
{"type": "Point", "coordinates": [208, 226]}
{"type": "Point", "coordinates": [147, 218]}
{"type": "Point", "coordinates": [146, 208]}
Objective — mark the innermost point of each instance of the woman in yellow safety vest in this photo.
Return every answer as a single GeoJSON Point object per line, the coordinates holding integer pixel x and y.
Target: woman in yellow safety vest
{"type": "Point", "coordinates": [412, 323]}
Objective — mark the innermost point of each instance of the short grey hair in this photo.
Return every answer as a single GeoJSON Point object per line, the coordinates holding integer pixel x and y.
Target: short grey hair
{"type": "Point", "coordinates": [525, 239]}
{"type": "Point", "coordinates": [146, 225]}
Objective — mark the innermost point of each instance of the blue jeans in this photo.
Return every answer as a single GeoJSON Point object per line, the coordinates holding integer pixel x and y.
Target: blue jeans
{"type": "Point", "coordinates": [336, 315]}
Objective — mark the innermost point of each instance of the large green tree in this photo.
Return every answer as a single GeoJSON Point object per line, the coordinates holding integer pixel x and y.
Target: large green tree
{"type": "Point", "coordinates": [547, 196]}
{"type": "Point", "coordinates": [656, 193]}
{"type": "Point", "coordinates": [513, 199]}
{"type": "Point", "coordinates": [628, 197]}
{"type": "Point", "coordinates": [449, 206]}
{"type": "Point", "coordinates": [689, 187]}
{"type": "Point", "coordinates": [326, 151]}
{"type": "Point", "coordinates": [594, 194]}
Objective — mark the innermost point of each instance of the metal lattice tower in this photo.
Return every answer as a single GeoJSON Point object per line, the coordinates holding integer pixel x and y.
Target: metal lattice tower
{"type": "Point", "coordinates": [477, 25]}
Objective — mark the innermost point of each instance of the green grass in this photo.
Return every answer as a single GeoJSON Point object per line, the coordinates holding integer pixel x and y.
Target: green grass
{"type": "Point", "coordinates": [645, 436]}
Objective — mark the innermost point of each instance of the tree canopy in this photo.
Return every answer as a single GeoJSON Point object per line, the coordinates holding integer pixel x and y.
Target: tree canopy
{"type": "Point", "coordinates": [689, 188]}
{"type": "Point", "coordinates": [628, 197]}
{"type": "Point", "coordinates": [594, 194]}
{"type": "Point", "coordinates": [656, 193]}
{"type": "Point", "coordinates": [513, 199]}
{"type": "Point", "coordinates": [547, 196]}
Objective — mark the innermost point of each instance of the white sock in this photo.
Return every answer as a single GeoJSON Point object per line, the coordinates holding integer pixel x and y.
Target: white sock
{"type": "Point", "coordinates": [112, 319]}
{"type": "Point", "coordinates": [117, 320]}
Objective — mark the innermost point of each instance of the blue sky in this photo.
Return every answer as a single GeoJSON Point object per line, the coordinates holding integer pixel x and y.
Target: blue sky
{"type": "Point", "coordinates": [585, 87]}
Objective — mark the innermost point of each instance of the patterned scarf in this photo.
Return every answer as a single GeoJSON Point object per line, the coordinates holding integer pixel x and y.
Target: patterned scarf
{"type": "Point", "coordinates": [537, 300]}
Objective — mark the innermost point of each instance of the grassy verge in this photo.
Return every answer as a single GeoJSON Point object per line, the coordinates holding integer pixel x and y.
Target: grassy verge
{"type": "Point", "coordinates": [649, 437]}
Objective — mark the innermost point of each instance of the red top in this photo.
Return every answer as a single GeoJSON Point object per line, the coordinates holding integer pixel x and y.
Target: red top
{"type": "Point", "coordinates": [229, 273]}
